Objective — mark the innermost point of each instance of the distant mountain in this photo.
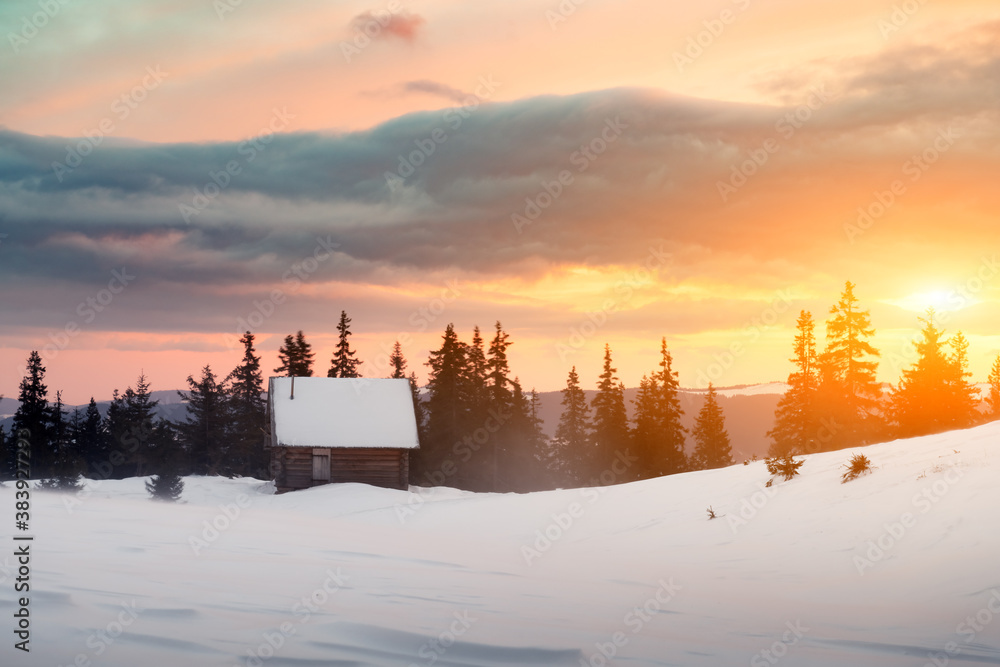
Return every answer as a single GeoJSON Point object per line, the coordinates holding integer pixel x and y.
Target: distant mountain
{"type": "Point", "coordinates": [171, 407]}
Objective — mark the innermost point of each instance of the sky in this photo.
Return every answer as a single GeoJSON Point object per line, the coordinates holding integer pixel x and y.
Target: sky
{"type": "Point", "coordinates": [586, 172]}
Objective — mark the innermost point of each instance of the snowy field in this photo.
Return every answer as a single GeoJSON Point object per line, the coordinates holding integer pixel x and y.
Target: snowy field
{"type": "Point", "coordinates": [899, 567]}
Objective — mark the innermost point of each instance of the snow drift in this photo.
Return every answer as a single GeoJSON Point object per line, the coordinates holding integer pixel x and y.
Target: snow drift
{"type": "Point", "coordinates": [898, 567]}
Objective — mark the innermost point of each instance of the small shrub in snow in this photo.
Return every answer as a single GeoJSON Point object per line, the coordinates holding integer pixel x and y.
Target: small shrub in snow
{"type": "Point", "coordinates": [165, 487]}
{"type": "Point", "coordinates": [712, 514]}
{"type": "Point", "coordinates": [786, 466]}
{"type": "Point", "coordinates": [858, 465]}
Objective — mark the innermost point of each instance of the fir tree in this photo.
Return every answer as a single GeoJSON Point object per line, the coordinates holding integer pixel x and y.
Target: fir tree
{"type": "Point", "coordinates": [64, 472]}
{"type": "Point", "coordinates": [848, 384]}
{"type": "Point", "coordinates": [203, 433]}
{"type": "Point", "coordinates": [646, 427]}
{"type": "Point", "coordinates": [447, 408]}
{"type": "Point", "coordinates": [165, 487]}
{"type": "Point", "coordinates": [140, 409]}
{"type": "Point", "coordinates": [964, 396]}
{"type": "Point", "coordinates": [397, 361]}
{"type": "Point", "coordinates": [475, 379]}
{"type": "Point", "coordinates": [418, 407]}
{"type": "Point", "coordinates": [796, 418]}
{"type": "Point", "coordinates": [523, 465]}
{"type": "Point", "coordinates": [508, 404]}
{"type": "Point", "coordinates": [498, 371]}
{"type": "Point", "coordinates": [571, 445]}
{"type": "Point", "coordinates": [610, 432]}
{"type": "Point", "coordinates": [247, 414]}
{"type": "Point", "coordinates": [117, 427]}
{"type": "Point", "coordinates": [712, 446]}
{"type": "Point", "coordinates": [994, 397]}
{"type": "Point", "coordinates": [398, 364]}
{"type": "Point", "coordinates": [296, 356]}
{"type": "Point", "coordinates": [287, 356]}
{"type": "Point", "coordinates": [668, 456]}
{"type": "Point", "coordinates": [32, 416]}
{"type": "Point", "coordinates": [934, 395]}
{"type": "Point", "coordinates": [91, 439]}
{"type": "Point", "coordinates": [344, 364]}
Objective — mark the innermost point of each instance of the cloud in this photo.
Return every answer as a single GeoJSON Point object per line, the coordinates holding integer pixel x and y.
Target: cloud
{"type": "Point", "coordinates": [382, 24]}
{"type": "Point", "coordinates": [424, 87]}
{"type": "Point", "coordinates": [519, 188]}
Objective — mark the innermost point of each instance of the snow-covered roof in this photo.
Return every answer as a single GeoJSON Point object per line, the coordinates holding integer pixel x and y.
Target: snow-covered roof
{"type": "Point", "coordinates": [342, 412]}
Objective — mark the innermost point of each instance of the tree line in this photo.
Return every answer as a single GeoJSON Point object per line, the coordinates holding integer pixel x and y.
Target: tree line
{"type": "Point", "coordinates": [834, 400]}
{"type": "Point", "coordinates": [480, 430]}
{"type": "Point", "coordinates": [223, 432]}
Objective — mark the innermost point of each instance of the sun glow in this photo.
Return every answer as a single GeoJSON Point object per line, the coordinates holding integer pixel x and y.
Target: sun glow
{"type": "Point", "coordinates": [940, 300]}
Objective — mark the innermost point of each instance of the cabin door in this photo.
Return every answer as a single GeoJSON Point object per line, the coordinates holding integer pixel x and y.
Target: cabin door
{"type": "Point", "coordinates": [321, 465]}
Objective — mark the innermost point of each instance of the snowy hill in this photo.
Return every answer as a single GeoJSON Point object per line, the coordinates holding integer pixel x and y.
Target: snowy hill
{"type": "Point", "coordinates": [898, 567]}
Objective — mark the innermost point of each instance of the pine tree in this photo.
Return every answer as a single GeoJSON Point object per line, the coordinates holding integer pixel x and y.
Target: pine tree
{"type": "Point", "coordinates": [610, 433]}
{"type": "Point", "coordinates": [498, 371]}
{"type": "Point", "coordinates": [91, 439]}
{"type": "Point", "coordinates": [523, 466]}
{"type": "Point", "coordinates": [447, 408]}
{"type": "Point", "coordinates": [117, 428]}
{"type": "Point", "coordinates": [397, 361]}
{"type": "Point", "coordinates": [165, 486]}
{"type": "Point", "coordinates": [287, 356]}
{"type": "Point", "coordinates": [668, 457]}
{"type": "Point", "coordinates": [571, 445]}
{"type": "Point", "coordinates": [140, 409]}
{"type": "Point", "coordinates": [418, 408]}
{"type": "Point", "coordinates": [296, 356]}
{"type": "Point", "coordinates": [646, 430]}
{"type": "Point", "coordinates": [796, 418]}
{"type": "Point", "coordinates": [203, 433]}
{"type": "Point", "coordinates": [246, 411]}
{"type": "Point", "coordinates": [994, 382]}
{"type": "Point", "coordinates": [506, 400]}
{"type": "Point", "coordinates": [851, 393]}
{"type": "Point", "coordinates": [712, 446]}
{"type": "Point", "coordinates": [166, 483]}
{"type": "Point", "coordinates": [344, 364]}
{"type": "Point", "coordinates": [475, 379]}
{"type": "Point", "coordinates": [934, 394]}
{"type": "Point", "coordinates": [31, 418]}
{"type": "Point", "coordinates": [64, 472]}
{"type": "Point", "coordinates": [964, 395]}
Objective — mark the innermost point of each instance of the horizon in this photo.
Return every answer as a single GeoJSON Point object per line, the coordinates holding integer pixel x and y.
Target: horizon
{"type": "Point", "coordinates": [703, 175]}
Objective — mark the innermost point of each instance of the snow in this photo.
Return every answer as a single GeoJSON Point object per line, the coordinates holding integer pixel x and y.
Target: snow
{"type": "Point", "coordinates": [884, 570]}
{"type": "Point", "coordinates": [341, 412]}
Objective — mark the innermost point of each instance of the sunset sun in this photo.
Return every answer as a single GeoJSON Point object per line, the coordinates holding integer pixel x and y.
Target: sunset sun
{"type": "Point", "coordinates": [939, 300]}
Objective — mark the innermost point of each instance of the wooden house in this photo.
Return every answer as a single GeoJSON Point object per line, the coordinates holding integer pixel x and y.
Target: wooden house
{"type": "Point", "coordinates": [325, 430]}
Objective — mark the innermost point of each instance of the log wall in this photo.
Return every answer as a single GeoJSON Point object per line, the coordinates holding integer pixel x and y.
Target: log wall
{"type": "Point", "coordinates": [378, 466]}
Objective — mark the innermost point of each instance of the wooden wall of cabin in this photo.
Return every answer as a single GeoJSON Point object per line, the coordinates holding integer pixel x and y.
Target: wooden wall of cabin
{"type": "Point", "coordinates": [292, 469]}
{"type": "Point", "coordinates": [378, 466]}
